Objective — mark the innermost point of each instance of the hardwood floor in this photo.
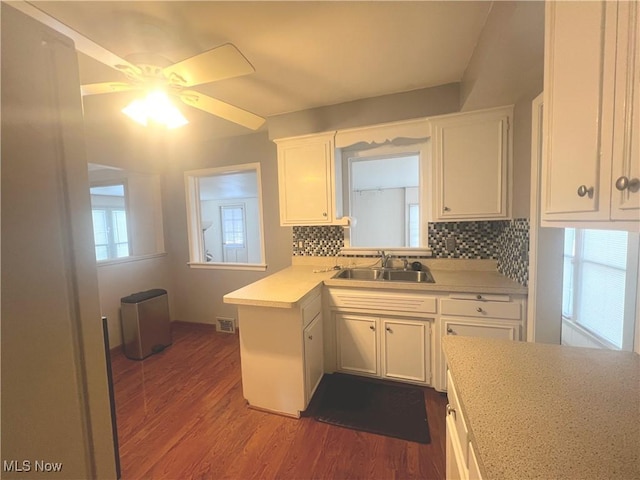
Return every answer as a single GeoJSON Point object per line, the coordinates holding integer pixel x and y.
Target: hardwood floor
{"type": "Point", "coordinates": [181, 415]}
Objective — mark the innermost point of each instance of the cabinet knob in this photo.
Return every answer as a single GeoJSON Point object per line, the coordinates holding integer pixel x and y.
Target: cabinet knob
{"type": "Point", "coordinates": [623, 183]}
{"type": "Point", "coordinates": [450, 330]}
{"type": "Point", "coordinates": [388, 329]}
{"type": "Point", "coordinates": [583, 191]}
{"type": "Point", "coordinates": [479, 310]}
{"type": "Point", "coordinates": [479, 297]}
{"type": "Point", "coordinates": [324, 214]}
{"type": "Point", "coordinates": [372, 328]}
{"type": "Point", "coordinates": [451, 411]}
{"type": "Point", "coordinates": [446, 209]}
{"type": "Point", "coordinates": [310, 337]}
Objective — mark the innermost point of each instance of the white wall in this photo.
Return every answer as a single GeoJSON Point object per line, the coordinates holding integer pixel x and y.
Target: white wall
{"type": "Point", "coordinates": [507, 68]}
{"type": "Point", "coordinates": [198, 292]}
{"type": "Point", "coordinates": [122, 279]}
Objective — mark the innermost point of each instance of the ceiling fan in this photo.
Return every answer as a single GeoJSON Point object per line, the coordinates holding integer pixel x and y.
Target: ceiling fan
{"type": "Point", "coordinates": [175, 80]}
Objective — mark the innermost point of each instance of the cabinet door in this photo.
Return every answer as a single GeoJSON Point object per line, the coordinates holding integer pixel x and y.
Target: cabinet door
{"type": "Point", "coordinates": [578, 93]}
{"type": "Point", "coordinates": [472, 157]}
{"type": "Point", "coordinates": [625, 197]}
{"type": "Point", "coordinates": [474, 467]}
{"type": "Point", "coordinates": [480, 328]}
{"type": "Point", "coordinates": [305, 175]}
{"type": "Point", "coordinates": [455, 467]}
{"type": "Point", "coordinates": [313, 356]}
{"type": "Point", "coordinates": [405, 350]}
{"type": "Point", "coordinates": [357, 344]}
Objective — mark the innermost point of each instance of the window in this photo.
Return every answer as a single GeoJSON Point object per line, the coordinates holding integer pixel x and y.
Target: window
{"type": "Point", "coordinates": [383, 193]}
{"type": "Point", "coordinates": [127, 214]}
{"type": "Point", "coordinates": [224, 209]}
{"type": "Point", "coordinates": [599, 285]}
{"type": "Point", "coordinates": [110, 232]}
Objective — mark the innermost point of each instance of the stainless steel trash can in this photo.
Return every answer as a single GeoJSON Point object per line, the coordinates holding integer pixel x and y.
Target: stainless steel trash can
{"type": "Point", "coordinates": [145, 323]}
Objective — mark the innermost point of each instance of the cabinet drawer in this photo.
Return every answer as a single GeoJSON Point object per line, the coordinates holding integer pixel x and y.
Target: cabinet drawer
{"type": "Point", "coordinates": [311, 310]}
{"type": "Point", "coordinates": [406, 304]}
{"type": "Point", "coordinates": [454, 412]}
{"type": "Point", "coordinates": [471, 328]}
{"type": "Point", "coordinates": [480, 308]}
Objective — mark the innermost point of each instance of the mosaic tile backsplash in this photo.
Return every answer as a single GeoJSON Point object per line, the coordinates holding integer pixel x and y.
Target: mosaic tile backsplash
{"type": "Point", "coordinates": [318, 241]}
{"type": "Point", "coordinates": [505, 241]}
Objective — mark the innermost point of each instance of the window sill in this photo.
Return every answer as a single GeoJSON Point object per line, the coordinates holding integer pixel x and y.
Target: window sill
{"type": "Point", "coordinates": [393, 251]}
{"type": "Point", "coordinates": [591, 337]}
{"type": "Point", "coordinates": [256, 267]}
{"type": "Point", "coordinates": [137, 258]}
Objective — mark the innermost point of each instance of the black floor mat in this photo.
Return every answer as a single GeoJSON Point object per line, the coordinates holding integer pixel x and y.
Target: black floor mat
{"type": "Point", "coordinates": [371, 405]}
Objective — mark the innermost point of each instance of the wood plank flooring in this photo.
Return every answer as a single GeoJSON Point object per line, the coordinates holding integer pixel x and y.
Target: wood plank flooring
{"type": "Point", "coordinates": [181, 415]}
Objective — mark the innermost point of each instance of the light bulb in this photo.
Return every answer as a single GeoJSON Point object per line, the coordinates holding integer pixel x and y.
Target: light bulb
{"type": "Point", "coordinates": [156, 107]}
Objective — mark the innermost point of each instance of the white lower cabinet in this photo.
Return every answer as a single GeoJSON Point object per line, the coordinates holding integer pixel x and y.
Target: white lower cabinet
{"type": "Point", "coordinates": [387, 347]}
{"type": "Point", "coordinates": [461, 461]}
{"type": "Point", "coordinates": [479, 315]}
{"type": "Point", "coordinates": [479, 328]}
{"type": "Point", "coordinates": [474, 468]}
{"type": "Point", "coordinates": [405, 350]}
{"type": "Point", "coordinates": [282, 355]}
{"type": "Point", "coordinates": [357, 344]}
{"type": "Point", "coordinates": [313, 356]}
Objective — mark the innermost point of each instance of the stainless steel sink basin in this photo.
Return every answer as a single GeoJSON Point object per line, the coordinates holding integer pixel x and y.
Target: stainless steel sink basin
{"type": "Point", "coordinates": [390, 275]}
{"type": "Point", "coordinates": [408, 276]}
{"type": "Point", "coordinates": [360, 274]}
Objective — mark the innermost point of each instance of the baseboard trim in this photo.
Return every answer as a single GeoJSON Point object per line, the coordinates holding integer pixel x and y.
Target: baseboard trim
{"type": "Point", "coordinates": [203, 326]}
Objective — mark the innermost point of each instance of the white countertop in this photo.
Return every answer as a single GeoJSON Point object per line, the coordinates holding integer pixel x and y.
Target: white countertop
{"type": "Point", "coordinates": [471, 281]}
{"type": "Point", "coordinates": [547, 411]}
{"type": "Point", "coordinates": [284, 289]}
{"type": "Point", "coordinates": [289, 287]}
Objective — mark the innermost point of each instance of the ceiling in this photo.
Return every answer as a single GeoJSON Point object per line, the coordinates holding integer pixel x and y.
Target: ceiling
{"type": "Point", "coordinates": [306, 54]}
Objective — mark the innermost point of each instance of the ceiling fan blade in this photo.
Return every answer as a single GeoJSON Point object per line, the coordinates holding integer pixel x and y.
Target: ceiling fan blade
{"type": "Point", "coordinates": [221, 62]}
{"type": "Point", "coordinates": [222, 109]}
{"type": "Point", "coordinates": [82, 43]}
{"type": "Point", "coordinates": [106, 87]}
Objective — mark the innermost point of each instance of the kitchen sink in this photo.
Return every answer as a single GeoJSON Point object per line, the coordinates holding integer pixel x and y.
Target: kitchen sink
{"type": "Point", "coordinates": [386, 274]}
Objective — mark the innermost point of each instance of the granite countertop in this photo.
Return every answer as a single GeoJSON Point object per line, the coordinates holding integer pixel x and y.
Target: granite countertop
{"type": "Point", "coordinates": [538, 411]}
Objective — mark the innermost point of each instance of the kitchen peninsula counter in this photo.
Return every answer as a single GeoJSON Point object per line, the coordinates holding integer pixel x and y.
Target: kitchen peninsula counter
{"type": "Point", "coordinates": [290, 286]}
{"type": "Point", "coordinates": [284, 289]}
{"type": "Point", "coordinates": [548, 411]}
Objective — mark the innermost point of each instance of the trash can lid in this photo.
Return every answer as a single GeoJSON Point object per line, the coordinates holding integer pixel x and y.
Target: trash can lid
{"type": "Point", "coordinates": [142, 296]}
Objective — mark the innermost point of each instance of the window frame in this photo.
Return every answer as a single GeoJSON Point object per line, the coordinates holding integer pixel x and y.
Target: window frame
{"type": "Point", "coordinates": [631, 292]}
{"type": "Point", "coordinates": [362, 151]}
{"type": "Point", "coordinates": [195, 239]}
{"type": "Point", "coordinates": [112, 245]}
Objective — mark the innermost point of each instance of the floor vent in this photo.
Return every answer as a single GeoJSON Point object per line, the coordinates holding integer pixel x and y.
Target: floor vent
{"type": "Point", "coordinates": [226, 325]}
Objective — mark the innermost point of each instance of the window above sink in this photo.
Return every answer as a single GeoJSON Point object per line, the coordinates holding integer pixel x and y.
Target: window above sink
{"type": "Point", "coordinates": [384, 194]}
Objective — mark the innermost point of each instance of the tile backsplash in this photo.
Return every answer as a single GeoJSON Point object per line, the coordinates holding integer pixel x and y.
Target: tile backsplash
{"type": "Point", "coordinates": [505, 241]}
{"type": "Point", "coordinates": [478, 240]}
{"type": "Point", "coordinates": [318, 241]}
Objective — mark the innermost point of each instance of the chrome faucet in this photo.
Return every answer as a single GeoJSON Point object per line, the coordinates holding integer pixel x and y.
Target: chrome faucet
{"type": "Point", "coordinates": [384, 258]}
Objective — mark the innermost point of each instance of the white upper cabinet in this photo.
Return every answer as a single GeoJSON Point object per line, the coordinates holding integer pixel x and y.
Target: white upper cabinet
{"type": "Point", "coordinates": [590, 113]}
{"type": "Point", "coordinates": [472, 160]}
{"type": "Point", "coordinates": [625, 198]}
{"type": "Point", "coordinates": [306, 177]}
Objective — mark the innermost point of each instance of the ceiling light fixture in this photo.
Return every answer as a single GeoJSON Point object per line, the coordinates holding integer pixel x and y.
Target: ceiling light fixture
{"type": "Point", "coordinates": [155, 108]}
